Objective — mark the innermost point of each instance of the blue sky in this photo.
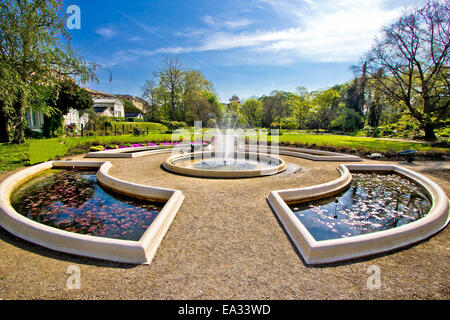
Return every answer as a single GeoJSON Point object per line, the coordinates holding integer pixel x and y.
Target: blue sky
{"type": "Point", "coordinates": [247, 48]}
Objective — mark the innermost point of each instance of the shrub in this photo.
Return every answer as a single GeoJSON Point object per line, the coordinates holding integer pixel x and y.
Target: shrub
{"type": "Point", "coordinates": [96, 148]}
{"type": "Point", "coordinates": [137, 131]}
{"type": "Point", "coordinates": [31, 134]}
{"type": "Point", "coordinates": [173, 125]}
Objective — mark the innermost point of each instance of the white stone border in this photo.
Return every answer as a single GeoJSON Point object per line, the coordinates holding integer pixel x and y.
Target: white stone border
{"type": "Point", "coordinates": [122, 153]}
{"type": "Point", "coordinates": [310, 154]}
{"type": "Point", "coordinates": [327, 251]}
{"type": "Point", "coordinates": [124, 251]}
{"type": "Point", "coordinates": [170, 164]}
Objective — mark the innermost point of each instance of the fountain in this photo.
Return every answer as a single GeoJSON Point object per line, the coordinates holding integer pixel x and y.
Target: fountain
{"type": "Point", "coordinates": [223, 159]}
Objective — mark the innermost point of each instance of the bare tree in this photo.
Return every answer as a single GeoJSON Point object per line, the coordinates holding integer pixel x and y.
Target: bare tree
{"type": "Point", "coordinates": [413, 55]}
{"type": "Point", "coordinates": [171, 78]}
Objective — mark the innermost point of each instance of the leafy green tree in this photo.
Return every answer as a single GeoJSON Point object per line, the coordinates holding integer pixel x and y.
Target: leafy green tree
{"type": "Point", "coordinates": [251, 112]}
{"type": "Point", "coordinates": [129, 107]}
{"type": "Point", "coordinates": [35, 50]}
{"type": "Point", "coordinates": [60, 98]}
{"type": "Point", "coordinates": [179, 94]}
{"type": "Point", "coordinates": [301, 105]}
{"type": "Point", "coordinates": [275, 107]}
{"type": "Point", "coordinates": [349, 120]}
{"type": "Point", "coordinates": [323, 111]}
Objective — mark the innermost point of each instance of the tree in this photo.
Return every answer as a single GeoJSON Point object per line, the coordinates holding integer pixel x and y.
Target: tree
{"type": "Point", "coordinates": [197, 91]}
{"type": "Point", "coordinates": [301, 104]}
{"type": "Point", "coordinates": [151, 96]}
{"type": "Point", "coordinates": [59, 99]}
{"type": "Point", "coordinates": [413, 55]}
{"type": "Point", "coordinates": [251, 112]}
{"type": "Point", "coordinates": [353, 94]}
{"type": "Point", "coordinates": [348, 120]}
{"type": "Point", "coordinates": [375, 107]}
{"type": "Point", "coordinates": [179, 94]}
{"type": "Point", "coordinates": [325, 104]}
{"type": "Point", "coordinates": [35, 49]}
{"type": "Point", "coordinates": [171, 79]}
{"type": "Point", "coordinates": [275, 107]}
{"type": "Point", "coordinates": [129, 107]}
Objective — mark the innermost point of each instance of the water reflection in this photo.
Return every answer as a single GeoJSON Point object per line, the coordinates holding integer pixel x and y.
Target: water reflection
{"type": "Point", "coordinates": [73, 201]}
{"type": "Point", "coordinates": [374, 202]}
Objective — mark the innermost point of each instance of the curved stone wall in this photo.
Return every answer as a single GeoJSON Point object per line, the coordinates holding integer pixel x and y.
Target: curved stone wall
{"type": "Point", "coordinates": [135, 252]}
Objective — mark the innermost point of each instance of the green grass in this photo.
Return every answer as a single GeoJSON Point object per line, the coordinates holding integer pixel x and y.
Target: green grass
{"type": "Point", "coordinates": [369, 144]}
{"type": "Point", "coordinates": [36, 151]}
{"type": "Point", "coordinates": [13, 156]}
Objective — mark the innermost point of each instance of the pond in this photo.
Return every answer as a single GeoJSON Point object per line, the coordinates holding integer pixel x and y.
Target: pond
{"type": "Point", "coordinates": [73, 201]}
{"type": "Point", "coordinates": [374, 202]}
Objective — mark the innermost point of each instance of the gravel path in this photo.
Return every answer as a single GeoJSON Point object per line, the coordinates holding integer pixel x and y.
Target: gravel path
{"type": "Point", "coordinates": [226, 243]}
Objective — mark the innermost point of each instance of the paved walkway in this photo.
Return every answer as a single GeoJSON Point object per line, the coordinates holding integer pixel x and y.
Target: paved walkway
{"type": "Point", "coordinates": [226, 243]}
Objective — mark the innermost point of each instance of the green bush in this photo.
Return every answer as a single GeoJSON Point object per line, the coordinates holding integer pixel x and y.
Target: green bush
{"type": "Point", "coordinates": [135, 120]}
{"type": "Point", "coordinates": [137, 131]}
{"type": "Point", "coordinates": [151, 126]}
{"type": "Point", "coordinates": [96, 148]}
{"type": "Point", "coordinates": [174, 125]}
{"type": "Point", "coordinates": [290, 125]}
{"type": "Point", "coordinates": [31, 134]}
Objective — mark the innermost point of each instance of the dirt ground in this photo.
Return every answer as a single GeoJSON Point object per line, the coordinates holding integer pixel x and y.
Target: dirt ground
{"type": "Point", "coordinates": [226, 243]}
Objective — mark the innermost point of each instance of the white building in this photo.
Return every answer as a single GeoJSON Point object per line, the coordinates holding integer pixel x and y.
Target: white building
{"type": "Point", "coordinates": [73, 117]}
{"type": "Point", "coordinates": [109, 107]}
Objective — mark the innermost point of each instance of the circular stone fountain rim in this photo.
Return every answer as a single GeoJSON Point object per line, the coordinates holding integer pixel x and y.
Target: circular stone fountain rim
{"type": "Point", "coordinates": [170, 165]}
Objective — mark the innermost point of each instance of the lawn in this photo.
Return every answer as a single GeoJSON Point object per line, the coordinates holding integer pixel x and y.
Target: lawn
{"type": "Point", "coordinates": [36, 151]}
{"type": "Point", "coordinates": [369, 144]}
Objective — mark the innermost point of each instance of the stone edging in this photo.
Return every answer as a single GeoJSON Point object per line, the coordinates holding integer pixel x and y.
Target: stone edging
{"type": "Point", "coordinates": [310, 154]}
{"type": "Point", "coordinates": [170, 164]}
{"type": "Point", "coordinates": [125, 251]}
{"type": "Point", "coordinates": [327, 251]}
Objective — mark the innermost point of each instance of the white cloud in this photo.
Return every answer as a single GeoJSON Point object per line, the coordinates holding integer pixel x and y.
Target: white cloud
{"type": "Point", "coordinates": [223, 23]}
{"type": "Point", "coordinates": [234, 24]}
{"type": "Point", "coordinates": [135, 39]}
{"type": "Point", "coordinates": [329, 31]}
{"type": "Point", "coordinates": [208, 20]}
{"type": "Point", "coordinates": [105, 32]}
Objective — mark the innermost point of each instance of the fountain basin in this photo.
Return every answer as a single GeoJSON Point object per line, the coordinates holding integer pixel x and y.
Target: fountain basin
{"type": "Point", "coordinates": [125, 251]}
{"type": "Point", "coordinates": [221, 165]}
{"type": "Point", "coordinates": [333, 250]}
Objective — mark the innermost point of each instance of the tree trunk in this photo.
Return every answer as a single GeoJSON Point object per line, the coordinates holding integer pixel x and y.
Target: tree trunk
{"type": "Point", "coordinates": [19, 108]}
{"type": "Point", "coordinates": [4, 127]}
{"type": "Point", "coordinates": [429, 132]}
